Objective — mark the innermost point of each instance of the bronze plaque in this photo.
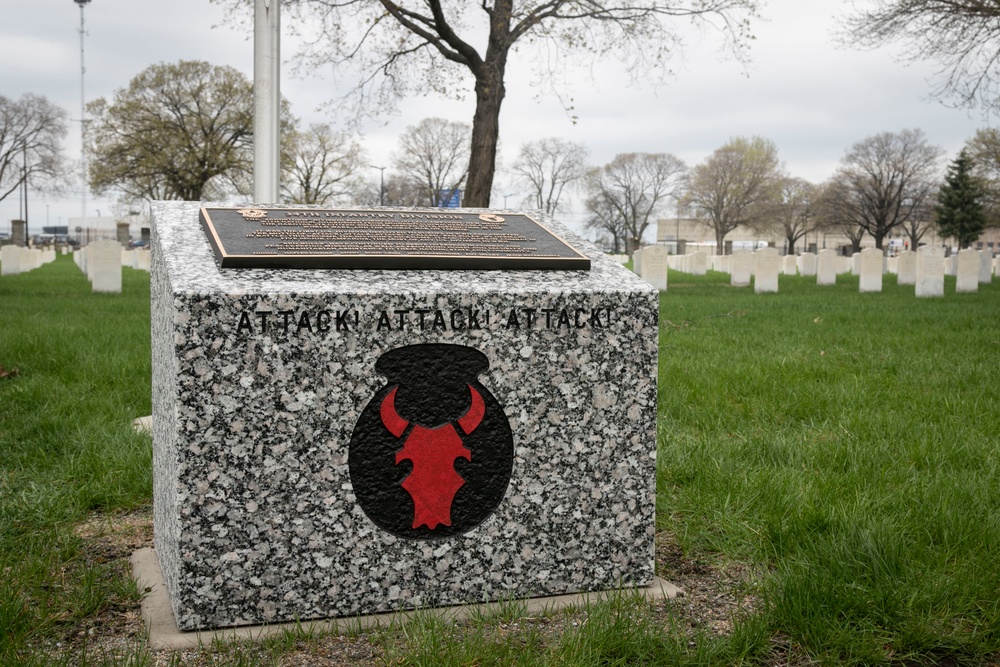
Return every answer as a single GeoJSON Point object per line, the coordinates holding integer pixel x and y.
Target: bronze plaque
{"type": "Point", "coordinates": [289, 238]}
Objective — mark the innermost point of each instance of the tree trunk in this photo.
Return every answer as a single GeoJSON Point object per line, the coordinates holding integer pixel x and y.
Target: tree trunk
{"type": "Point", "coordinates": [720, 242]}
{"type": "Point", "coordinates": [791, 245]}
{"type": "Point", "coordinates": [485, 134]}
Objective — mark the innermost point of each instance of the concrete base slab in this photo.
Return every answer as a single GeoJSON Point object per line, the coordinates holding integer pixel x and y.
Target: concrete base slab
{"type": "Point", "coordinates": [163, 632]}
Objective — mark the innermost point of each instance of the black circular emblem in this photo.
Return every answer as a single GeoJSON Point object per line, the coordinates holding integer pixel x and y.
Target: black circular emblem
{"type": "Point", "coordinates": [432, 453]}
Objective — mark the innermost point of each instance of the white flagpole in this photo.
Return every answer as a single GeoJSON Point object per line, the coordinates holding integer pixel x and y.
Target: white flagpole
{"type": "Point", "coordinates": [267, 100]}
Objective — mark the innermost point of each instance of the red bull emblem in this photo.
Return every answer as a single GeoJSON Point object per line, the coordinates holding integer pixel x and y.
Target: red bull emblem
{"type": "Point", "coordinates": [432, 455]}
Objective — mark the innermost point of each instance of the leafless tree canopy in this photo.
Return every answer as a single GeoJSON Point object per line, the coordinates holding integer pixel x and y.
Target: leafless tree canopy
{"type": "Point", "coordinates": [435, 154]}
{"type": "Point", "coordinates": [836, 195]}
{"type": "Point", "coordinates": [984, 150]}
{"type": "Point", "coordinates": [794, 211]}
{"type": "Point", "coordinates": [397, 47]}
{"type": "Point", "coordinates": [31, 133]}
{"type": "Point", "coordinates": [606, 221]}
{"type": "Point", "coordinates": [321, 166]}
{"type": "Point", "coordinates": [884, 181]}
{"type": "Point", "coordinates": [632, 190]}
{"type": "Point", "coordinates": [546, 167]}
{"type": "Point", "coordinates": [961, 36]}
{"type": "Point", "coordinates": [737, 185]}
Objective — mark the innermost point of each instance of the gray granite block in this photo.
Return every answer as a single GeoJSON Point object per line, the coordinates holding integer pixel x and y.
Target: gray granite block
{"type": "Point", "coordinates": [261, 378]}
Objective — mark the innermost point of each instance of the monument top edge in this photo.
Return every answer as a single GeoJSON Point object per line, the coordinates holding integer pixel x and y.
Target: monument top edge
{"type": "Point", "coordinates": [189, 262]}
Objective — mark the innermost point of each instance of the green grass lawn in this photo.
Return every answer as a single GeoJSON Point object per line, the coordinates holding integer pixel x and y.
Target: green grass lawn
{"type": "Point", "coordinates": [842, 445]}
{"type": "Point", "coordinates": [849, 442]}
{"type": "Point", "coordinates": [66, 443]}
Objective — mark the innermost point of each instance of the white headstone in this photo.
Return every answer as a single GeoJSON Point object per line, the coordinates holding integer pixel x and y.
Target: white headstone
{"type": "Point", "coordinates": [742, 268]}
{"type": "Point", "coordinates": [871, 270]}
{"type": "Point", "coordinates": [142, 261]}
{"type": "Point", "coordinates": [654, 266]}
{"type": "Point", "coordinates": [930, 271]}
{"type": "Point", "coordinates": [985, 266]}
{"type": "Point", "coordinates": [698, 263]}
{"type": "Point", "coordinates": [789, 265]}
{"type": "Point", "coordinates": [856, 264]}
{"type": "Point", "coordinates": [951, 265]}
{"type": "Point", "coordinates": [892, 265]}
{"type": "Point", "coordinates": [807, 264]}
{"type": "Point", "coordinates": [766, 262]}
{"type": "Point", "coordinates": [967, 271]}
{"type": "Point", "coordinates": [10, 260]}
{"type": "Point", "coordinates": [105, 264]}
{"type": "Point", "coordinates": [637, 261]}
{"type": "Point", "coordinates": [906, 268]}
{"type": "Point", "coordinates": [827, 263]}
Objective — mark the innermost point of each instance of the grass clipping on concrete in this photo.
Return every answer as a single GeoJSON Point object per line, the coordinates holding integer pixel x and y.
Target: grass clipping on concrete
{"type": "Point", "coordinates": [828, 489]}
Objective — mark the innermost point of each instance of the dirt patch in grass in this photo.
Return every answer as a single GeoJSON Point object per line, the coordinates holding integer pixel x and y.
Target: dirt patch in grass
{"type": "Point", "coordinates": [715, 593]}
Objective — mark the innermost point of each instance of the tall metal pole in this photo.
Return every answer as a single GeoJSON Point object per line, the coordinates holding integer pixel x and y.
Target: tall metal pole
{"type": "Point", "coordinates": [26, 223]}
{"type": "Point", "coordinates": [381, 184]}
{"type": "Point", "coordinates": [83, 122]}
{"type": "Point", "coordinates": [267, 100]}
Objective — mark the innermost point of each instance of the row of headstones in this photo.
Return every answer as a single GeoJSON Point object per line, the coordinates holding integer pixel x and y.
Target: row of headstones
{"type": "Point", "coordinates": [925, 269]}
{"type": "Point", "coordinates": [695, 263]}
{"type": "Point", "coordinates": [102, 262]}
{"type": "Point", "coordinates": [15, 259]}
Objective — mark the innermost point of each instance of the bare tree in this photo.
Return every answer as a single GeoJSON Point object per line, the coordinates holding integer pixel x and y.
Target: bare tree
{"type": "Point", "coordinates": [984, 151]}
{"type": "Point", "coordinates": [962, 36]}
{"type": "Point", "coordinates": [321, 166]}
{"type": "Point", "coordinates": [917, 225]}
{"type": "Point", "coordinates": [633, 188]}
{"type": "Point", "coordinates": [794, 212]}
{"type": "Point", "coordinates": [402, 46]}
{"type": "Point", "coordinates": [885, 180]}
{"type": "Point", "coordinates": [31, 133]}
{"type": "Point", "coordinates": [545, 167]}
{"type": "Point", "coordinates": [435, 154]}
{"type": "Point", "coordinates": [737, 185]}
{"type": "Point", "coordinates": [603, 218]}
{"type": "Point", "coordinates": [834, 211]}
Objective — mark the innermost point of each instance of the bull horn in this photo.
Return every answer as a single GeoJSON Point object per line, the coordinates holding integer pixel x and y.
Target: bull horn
{"type": "Point", "coordinates": [390, 418]}
{"type": "Point", "coordinates": [471, 419]}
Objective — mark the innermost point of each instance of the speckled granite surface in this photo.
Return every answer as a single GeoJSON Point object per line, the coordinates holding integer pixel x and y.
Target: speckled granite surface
{"type": "Point", "coordinates": [256, 517]}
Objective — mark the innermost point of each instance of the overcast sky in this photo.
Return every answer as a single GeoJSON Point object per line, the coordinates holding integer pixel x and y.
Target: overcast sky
{"type": "Point", "coordinates": [810, 97]}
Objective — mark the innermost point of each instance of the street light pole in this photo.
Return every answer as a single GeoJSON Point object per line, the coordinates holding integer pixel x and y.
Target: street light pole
{"type": "Point", "coordinates": [25, 178]}
{"type": "Point", "coordinates": [381, 184]}
{"type": "Point", "coordinates": [83, 121]}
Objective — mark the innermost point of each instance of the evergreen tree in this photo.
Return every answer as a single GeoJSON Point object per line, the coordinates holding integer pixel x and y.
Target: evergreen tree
{"type": "Point", "coordinates": [960, 210]}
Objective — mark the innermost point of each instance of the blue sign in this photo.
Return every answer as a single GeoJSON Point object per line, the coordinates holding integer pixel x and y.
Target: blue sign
{"type": "Point", "coordinates": [450, 198]}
